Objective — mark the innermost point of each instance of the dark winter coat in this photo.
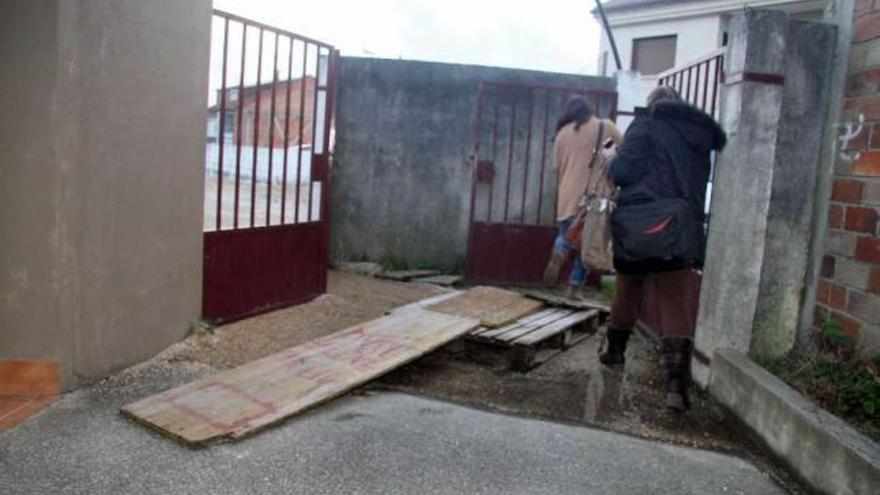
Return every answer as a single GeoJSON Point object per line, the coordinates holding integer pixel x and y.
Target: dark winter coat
{"type": "Point", "coordinates": [666, 153]}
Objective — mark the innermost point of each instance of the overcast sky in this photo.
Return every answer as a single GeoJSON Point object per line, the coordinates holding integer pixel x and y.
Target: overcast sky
{"type": "Point", "coordinates": [553, 35]}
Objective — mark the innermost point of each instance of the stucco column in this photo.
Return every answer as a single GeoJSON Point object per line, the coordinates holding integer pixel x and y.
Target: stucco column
{"type": "Point", "coordinates": [103, 178]}
{"type": "Point", "coordinates": [773, 106]}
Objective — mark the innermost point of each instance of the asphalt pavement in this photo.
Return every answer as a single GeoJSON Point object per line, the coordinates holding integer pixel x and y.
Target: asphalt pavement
{"type": "Point", "coordinates": [379, 442]}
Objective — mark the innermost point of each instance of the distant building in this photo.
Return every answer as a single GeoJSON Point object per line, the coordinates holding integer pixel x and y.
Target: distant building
{"type": "Point", "coordinates": [655, 35]}
{"type": "Point", "coordinates": [267, 125]}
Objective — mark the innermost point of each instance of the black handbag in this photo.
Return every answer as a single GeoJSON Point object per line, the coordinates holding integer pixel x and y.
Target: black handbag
{"type": "Point", "coordinates": [658, 230]}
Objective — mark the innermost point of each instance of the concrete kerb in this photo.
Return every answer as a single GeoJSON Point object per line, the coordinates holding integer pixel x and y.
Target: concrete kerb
{"type": "Point", "coordinates": [825, 452]}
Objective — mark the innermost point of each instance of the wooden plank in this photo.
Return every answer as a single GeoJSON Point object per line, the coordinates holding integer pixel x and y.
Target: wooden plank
{"type": "Point", "coordinates": [492, 306]}
{"type": "Point", "coordinates": [561, 301]}
{"type": "Point", "coordinates": [241, 401]}
{"type": "Point", "coordinates": [515, 335]}
{"type": "Point", "coordinates": [530, 357]}
{"type": "Point", "coordinates": [407, 275]}
{"type": "Point", "coordinates": [521, 325]}
{"type": "Point", "coordinates": [574, 336]}
{"type": "Point", "coordinates": [555, 327]}
{"type": "Point", "coordinates": [424, 303]}
{"type": "Point", "coordinates": [489, 332]}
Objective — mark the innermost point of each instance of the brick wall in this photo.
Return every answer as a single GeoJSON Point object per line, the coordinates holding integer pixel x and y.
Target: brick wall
{"type": "Point", "coordinates": [265, 95]}
{"type": "Point", "coordinates": [849, 286]}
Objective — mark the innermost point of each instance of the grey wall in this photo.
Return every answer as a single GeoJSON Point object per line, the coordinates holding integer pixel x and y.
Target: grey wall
{"type": "Point", "coordinates": [102, 150]}
{"type": "Point", "coordinates": [402, 174]}
{"type": "Point", "coordinates": [840, 14]}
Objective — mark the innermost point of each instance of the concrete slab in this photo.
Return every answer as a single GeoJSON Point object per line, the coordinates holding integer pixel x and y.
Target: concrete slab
{"type": "Point", "coordinates": [365, 268]}
{"type": "Point", "coordinates": [826, 452]}
{"type": "Point", "coordinates": [382, 443]}
{"type": "Point", "coordinates": [407, 275]}
{"type": "Point", "coordinates": [442, 280]}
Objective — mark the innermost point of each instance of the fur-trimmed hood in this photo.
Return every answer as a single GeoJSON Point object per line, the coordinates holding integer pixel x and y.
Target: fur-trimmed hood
{"type": "Point", "coordinates": [698, 129]}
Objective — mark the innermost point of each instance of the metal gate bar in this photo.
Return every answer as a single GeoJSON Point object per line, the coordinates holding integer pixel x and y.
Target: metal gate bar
{"type": "Point", "coordinates": [695, 90]}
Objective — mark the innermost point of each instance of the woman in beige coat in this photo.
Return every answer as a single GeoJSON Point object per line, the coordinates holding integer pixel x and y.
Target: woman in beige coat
{"type": "Point", "coordinates": [579, 165]}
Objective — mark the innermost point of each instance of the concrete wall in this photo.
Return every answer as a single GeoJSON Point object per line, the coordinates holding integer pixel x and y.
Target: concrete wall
{"type": "Point", "coordinates": [759, 238]}
{"type": "Point", "coordinates": [789, 220]}
{"type": "Point", "coordinates": [402, 173]}
{"type": "Point", "coordinates": [101, 202]}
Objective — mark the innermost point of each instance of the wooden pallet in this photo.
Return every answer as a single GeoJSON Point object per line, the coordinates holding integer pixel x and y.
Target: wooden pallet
{"type": "Point", "coordinates": [241, 401]}
{"type": "Point", "coordinates": [538, 337]}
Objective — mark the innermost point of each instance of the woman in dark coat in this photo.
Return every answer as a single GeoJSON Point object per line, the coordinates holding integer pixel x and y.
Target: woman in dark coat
{"type": "Point", "coordinates": [666, 153]}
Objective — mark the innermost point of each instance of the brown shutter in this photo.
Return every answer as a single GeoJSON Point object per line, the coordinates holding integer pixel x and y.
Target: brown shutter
{"type": "Point", "coordinates": [653, 55]}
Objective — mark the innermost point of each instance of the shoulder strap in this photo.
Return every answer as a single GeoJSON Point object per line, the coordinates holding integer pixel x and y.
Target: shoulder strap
{"type": "Point", "coordinates": [593, 161]}
{"type": "Point", "coordinates": [598, 142]}
{"type": "Point", "coordinates": [595, 152]}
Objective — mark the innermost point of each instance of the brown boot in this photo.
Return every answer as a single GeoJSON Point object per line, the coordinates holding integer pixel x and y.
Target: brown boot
{"type": "Point", "coordinates": [615, 347]}
{"type": "Point", "coordinates": [677, 360]}
{"type": "Point", "coordinates": [551, 273]}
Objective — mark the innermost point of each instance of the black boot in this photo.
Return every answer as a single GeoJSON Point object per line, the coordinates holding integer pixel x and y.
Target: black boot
{"type": "Point", "coordinates": [616, 346]}
{"type": "Point", "coordinates": [677, 360]}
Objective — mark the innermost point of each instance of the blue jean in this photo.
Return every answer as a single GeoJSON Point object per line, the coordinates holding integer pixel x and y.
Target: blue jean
{"type": "Point", "coordinates": [578, 271]}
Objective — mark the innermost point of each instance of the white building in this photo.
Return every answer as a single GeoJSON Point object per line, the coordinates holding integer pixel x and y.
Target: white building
{"type": "Point", "coordinates": [655, 35]}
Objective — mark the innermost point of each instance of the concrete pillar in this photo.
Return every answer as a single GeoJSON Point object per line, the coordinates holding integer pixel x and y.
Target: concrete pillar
{"type": "Point", "coordinates": [773, 106]}
{"type": "Point", "coordinates": [102, 147]}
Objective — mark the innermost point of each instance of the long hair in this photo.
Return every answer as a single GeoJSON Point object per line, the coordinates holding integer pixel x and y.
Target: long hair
{"type": "Point", "coordinates": [576, 110]}
{"type": "Point", "coordinates": [663, 93]}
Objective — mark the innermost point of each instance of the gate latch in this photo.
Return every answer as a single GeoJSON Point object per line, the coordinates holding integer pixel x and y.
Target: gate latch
{"type": "Point", "coordinates": [485, 171]}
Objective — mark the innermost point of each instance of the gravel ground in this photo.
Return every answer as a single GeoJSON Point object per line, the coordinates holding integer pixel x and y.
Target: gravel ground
{"type": "Point", "coordinates": [350, 299]}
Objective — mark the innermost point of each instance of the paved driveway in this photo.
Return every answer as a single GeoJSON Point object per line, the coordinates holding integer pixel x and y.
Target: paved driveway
{"type": "Point", "coordinates": [376, 443]}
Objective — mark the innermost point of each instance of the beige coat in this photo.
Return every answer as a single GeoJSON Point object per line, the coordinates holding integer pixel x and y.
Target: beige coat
{"type": "Point", "coordinates": [572, 151]}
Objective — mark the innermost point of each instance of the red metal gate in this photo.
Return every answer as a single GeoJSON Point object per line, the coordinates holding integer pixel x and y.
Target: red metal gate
{"type": "Point", "coordinates": [513, 193]}
{"type": "Point", "coordinates": [267, 169]}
